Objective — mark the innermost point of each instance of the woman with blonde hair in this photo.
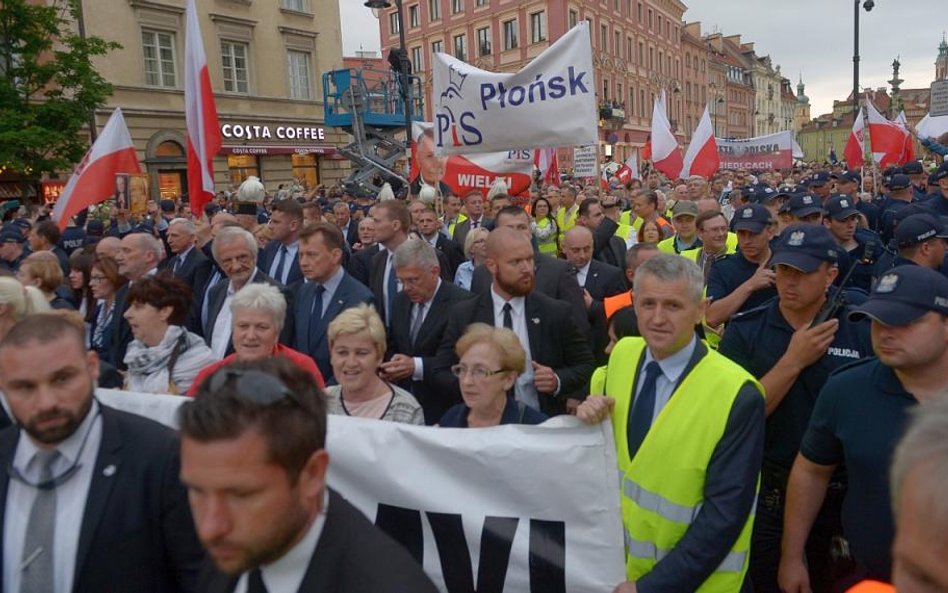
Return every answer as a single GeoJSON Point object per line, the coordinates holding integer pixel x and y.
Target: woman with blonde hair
{"type": "Point", "coordinates": [18, 301]}
{"type": "Point", "coordinates": [357, 346]}
{"type": "Point", "coordinates": [43, 270]}
{"type": "Point", "coordinates": [475, 249]}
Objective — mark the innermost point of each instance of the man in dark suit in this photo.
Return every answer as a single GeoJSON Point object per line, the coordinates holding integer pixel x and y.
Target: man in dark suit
{"type": "Point", "coordinates": [95, 486]}
{"type": "Point", "coordinates": [280, 258]}
{"type": "Point", "coordinates": [138, 256]}
{"type": "Point", "coordinates": [560, 362]}
{"type": "Point", "coordinates": [420, 316]}
{"type": "Point", "coordinates": [474, 210]}
{"type": "Point", "coordinates": [348, 226]}
{"type": "Point", "coordinates": [298, 535]}
{"type": "Point", "coordinates": [328, 292]}
{"type": "Point", "coordinates": [392, 222]}
{"type": "Point", "coordinates": [235, 250]}
{"type": "Point", "coordinates": [429, 227]}
{"type": "Point", "coordinates": [607, 247]}
{"type": "Point", "coordinates": [186, 260]}
{"type": "Point", "coordinates": [553, 277]}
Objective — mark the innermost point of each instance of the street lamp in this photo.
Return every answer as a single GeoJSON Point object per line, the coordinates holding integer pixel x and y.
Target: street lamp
{"type": "Point", "coordinates": [403, 72]}
{"type": "Point", "coordinates": [868, 5]}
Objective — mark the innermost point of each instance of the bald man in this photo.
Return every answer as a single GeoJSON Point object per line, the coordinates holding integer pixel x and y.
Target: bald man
{"type": "Point", "coordinates": [559, 360]}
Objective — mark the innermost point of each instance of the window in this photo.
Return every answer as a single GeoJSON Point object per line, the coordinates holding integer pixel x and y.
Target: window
{"type": "Point", "coordinates": [483, 41]}
{"type": "Point", "coordinates": [642, 103]}
{"type": "Point", "coordinates": [414, 19]}
{"type": "Point", "coordinates": [298, 65]}
{"type": "Point", "coordinates": [605, 89]}
{"type": "Point", "coordinates": [618, 91]}
{"type": "Point", "coordinates": [537, 30]}
{"type": "Point", "coordinates": [158, 49]}
{"type": "Point", "coordinates": [393, 23]}
{"type": "Point", "coordinates": [617, 43]}
{"type": "Point", "coordinates": [628, 49]}
{"type": "Point", "coordinates": [603, 37]}
{"type": "Point", "coordinates": [572, 18]}
{"type": "Point", "coordinates": [510, 34]}
{"type": "Point", "coordinates": [460, 47]}
{"type": "Point", "coordinates": [640, 12]}
{"type": "Point", "coordinates": [641, 54]}
{"type": "Point", "coordinates": [481, 2]}
{"type": "Point", "coordinates": [631, 106]}
{"type": "Point", "coordinates": [234, 61]}
{"type": "Point", "coordinates": [416, 65]}
{"type": "Point", "coordinates": [434, 10]}
{"type": "Point", "coordinates": [660, 61]}
{"type": "Point", "coordinates": [457, 6]}
{"type": "Point", "coordinates": [304, 167]}
{"type": "Point", "coordinates": [298, 5]}
{"type": "Point", "coordinates": [242, 166]}
{"type": "Point", "coordinates": [650, 19]}
{"type": "Point", "coordinates": [437, 47]}
{"type": "Point", "coordinates": [651, 58]}
{"type": "Point", "coordinates": [687, 60]}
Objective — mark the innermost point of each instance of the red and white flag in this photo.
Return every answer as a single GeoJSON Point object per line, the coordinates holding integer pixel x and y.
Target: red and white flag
{"type": "Point", "coordinates": [886, 138]}
{"type": "Point", "coordinates": [544, 159]}
{"type": "Point", "coordinates": [629, 170]}
{"type": "Point", "coordinates": [666, 154]}
{"type": "Point", "coordinates": [702, 156]}
{"type": "Point", "coordinates": [94, 179]}
{"type": "Point", "coordinates": [908, 145]}
{"type": "Point", "coordinates": [204, 134]}
{"type": "Point", "coordinates": [855, 146]}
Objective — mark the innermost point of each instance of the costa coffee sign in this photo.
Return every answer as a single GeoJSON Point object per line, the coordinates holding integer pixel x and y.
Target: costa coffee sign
{"type": "Point", "coordinates": [267, 132]}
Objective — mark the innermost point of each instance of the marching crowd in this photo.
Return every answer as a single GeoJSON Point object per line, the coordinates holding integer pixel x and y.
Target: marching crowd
{"type": "Point", "coordinates": [760, 341]}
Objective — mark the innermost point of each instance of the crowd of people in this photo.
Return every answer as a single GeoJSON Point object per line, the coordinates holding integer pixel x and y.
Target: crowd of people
{"type": "Point", "coordinates": [759, 340]}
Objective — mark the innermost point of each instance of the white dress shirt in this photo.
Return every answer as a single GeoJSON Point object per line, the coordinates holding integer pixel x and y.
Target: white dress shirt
{"type": "Point", "coordinates": [223, 325]}
{"type": "Point", "coordinates": [419, 373]}
{"type": "Point", "coordinates": [292, 250]}
{"type": "Point", "coordinates": [287, 572]}
{"type": "Point", "coordinates": [525, 389]}
{"type": "Point", "coordinates": [672, 368]}
{"type": "Point", "coordinates": [71, 498]}
{"type": "Point", "coordinates": [389, 269]}
{"type": "Point", "coordinates": [581, 274]}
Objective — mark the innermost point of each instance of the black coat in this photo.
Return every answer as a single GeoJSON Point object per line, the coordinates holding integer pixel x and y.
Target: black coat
{"type": "Point", "coordinates": [269, 254]}
{"type": "Point", "coordinates": [189, 269]}
{"type": "Point", "coordinates": [218, 294]}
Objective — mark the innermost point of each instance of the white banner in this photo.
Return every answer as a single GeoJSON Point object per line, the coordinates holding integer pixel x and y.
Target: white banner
{"type": "Point", "coordinates": [584, 161]}
{"type": "Point", "coordinates": [550, 102]}
{"type": "Point", "coordinates": [537, 505]}
{"type": "Point", "coordinates": [774, 151]}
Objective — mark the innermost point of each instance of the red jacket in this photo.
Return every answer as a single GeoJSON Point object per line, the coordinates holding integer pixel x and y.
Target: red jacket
{"type": "Point", "coordinates": [301, 360]}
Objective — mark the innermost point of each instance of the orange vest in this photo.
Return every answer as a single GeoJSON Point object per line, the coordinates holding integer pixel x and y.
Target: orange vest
{"type": "Point", "coordinates": [614, 303]}
{"type": "Point", "coordinates": [872, 587]}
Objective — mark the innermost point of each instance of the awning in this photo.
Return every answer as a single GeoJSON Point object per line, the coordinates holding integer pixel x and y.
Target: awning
{"type": "Point", "coordinates": [268, 150]}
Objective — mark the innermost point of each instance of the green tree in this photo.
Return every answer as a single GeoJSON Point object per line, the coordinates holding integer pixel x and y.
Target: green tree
{"type": "Point", "coordinates": [48, 85]}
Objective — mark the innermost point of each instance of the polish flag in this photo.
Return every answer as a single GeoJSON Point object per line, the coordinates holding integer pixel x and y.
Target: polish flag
{"type": "Point", "coordinates": [544, 159]}
{"type": "Point", "coordinates": [886, 138]}
{"type": "Point", "coordinates": [702, 156]}
{"type": "Point", "coordinates": [854, 150]}
{"type": "Point", "coordinates": [666, 155]}
{"type": "Point", "coordinates": [908, 146]}
{"type": "Point", "coordinates": [629, 170]}
{"type": "Point", "coordinates": [604, 179]}
{"type": "Point", "coordinates": [204, 135]}
{"type": "Point", "coordinates": [93, 181]}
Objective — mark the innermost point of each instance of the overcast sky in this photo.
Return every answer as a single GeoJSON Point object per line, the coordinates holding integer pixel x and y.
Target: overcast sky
{"type": "Point", "coordinates": [814, 37]}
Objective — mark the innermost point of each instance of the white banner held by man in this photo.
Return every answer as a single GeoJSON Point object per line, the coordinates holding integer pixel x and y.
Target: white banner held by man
{"type": "Point", "coordinates": [538, 506]}
{"type": "Point", "coordinates": [550, 102]}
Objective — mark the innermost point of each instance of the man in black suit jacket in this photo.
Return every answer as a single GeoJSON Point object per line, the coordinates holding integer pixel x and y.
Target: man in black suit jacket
{"type": "Point", "coordinates": [561, 361]}
{"type": "Point", "coordinates": [349, 227]}
{"type": "Point", "coordinates": [138, 256]}
{"type": "Point", "coordinates": [280, 258]}
{"type": "Point", "coordinates": [328, 292]}
{"type": "Point", "coordinates": [360, 262]}
{"type": "Point", "coordinates": [607, 247]}
{"type": "Point", "coordinates": [429, 227]}
{"type": "Point", "coordinates": [299, 530]}
{"type": "Point", "coordinates": [186, 260]}
{"type": "Point", "coordinates": [413, 341]}
{"type": "Point", "coordinates": [131, 529]}
{"type": "Point", "coordinates": [474, 210]}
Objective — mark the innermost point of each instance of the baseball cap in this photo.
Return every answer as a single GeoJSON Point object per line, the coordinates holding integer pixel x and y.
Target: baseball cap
{"type": "Point", "coordinates": [166, 205]}
{"type": "Point", "coordinates": [804, 247]}
{"type": "Point", "coordinates": [848, 177]}
{"type": "Point", "coordinates": [12, 236]}
{"type": "Point", "coordinates": [819, 178]}
{"type": "Point", "coordinates": [95, 227]}
{"type": "Point", "coordinates": [23, 224]}
{"type": "Point", "coordinates": [211, 208]}
{"type": "Point", "coordinates": [941, 173]}
{"type": "Point", "coordinates": [840, 207]}
{"type": "Point", "coordinates": [751, 217]}
{"type": "Point", "coordinates": [804, 205]}
{"type": "Point", "coordinates": [919, 228]}
{"type": "Point", "coordinates": [685, 208]}
{"type": "Point", "coordinates": [904, 294]}
{"type": "Point", "coordinates": [913, 168]}
{"type": "Point", "coordinates": [763, 194]}
{"type": "Point", "coordinates": [899, 181]}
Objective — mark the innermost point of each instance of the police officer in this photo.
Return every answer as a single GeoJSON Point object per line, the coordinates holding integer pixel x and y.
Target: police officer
{"type": "Point", "coordinates": [805, 208]}
{"type": "Point", "coordinates": [919, 240]}
{"type": "Point", "coordinates": [820, 185]}
{"type": "Point", "coordinates": [938, 202]}
{"type": "Point", "coordinates": [862, 246]}
{"type": "Point", "coordinates": [848, 183]}
{"type": "Point", "coordinates": [12, 248]}
{"type": "Point", "coordinates": [900, 196]}
{"type": "Point", "coordinates": [743, 280]}
{"type": "Point", "coordinates": [801, 349]}
{"type": "Point", "coordinates": [916, 174]}
{"type": "Point", "coordinates": [860, 416]}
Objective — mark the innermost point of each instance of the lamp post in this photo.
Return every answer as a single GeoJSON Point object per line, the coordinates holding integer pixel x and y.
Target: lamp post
{"type": "Point", "coordinates": [868, 5]}
{"type": "Point", "coordinates": [403, 73]}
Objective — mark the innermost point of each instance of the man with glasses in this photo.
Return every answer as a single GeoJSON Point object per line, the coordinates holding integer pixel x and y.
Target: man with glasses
{"type": "Point", "coordinates": [254, 462]}
{"type": "Point", "coordinates": [92, 500]}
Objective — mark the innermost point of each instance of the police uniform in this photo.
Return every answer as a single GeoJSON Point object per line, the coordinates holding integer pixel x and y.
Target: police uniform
{"type": "Point", "coordinates": [730, 272]}
{"type": "Point", "coordinates": [860, 261]}
{"type": "Point", "coordinates": [861, 414]}
{"type": "Point", "coordinates": [756, 340]}
{"type": "Point", "coordinates": [912, 231]}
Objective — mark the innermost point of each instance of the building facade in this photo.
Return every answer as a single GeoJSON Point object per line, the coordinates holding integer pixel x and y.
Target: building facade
{"type": "Point", "coordinates": [696, 77]}
{"type": "Point", "coordinates": [265, 59]}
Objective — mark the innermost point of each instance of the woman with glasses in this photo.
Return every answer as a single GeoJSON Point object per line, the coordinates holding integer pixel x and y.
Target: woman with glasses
{"type": "Point", "coordinates": [357, 346]}
{"type": "Point", "coordinates": [164, 357]}
{"type": "Point", "coordinates": [491, 358]}
{"type": "Point", "coordinates": [104, 282]}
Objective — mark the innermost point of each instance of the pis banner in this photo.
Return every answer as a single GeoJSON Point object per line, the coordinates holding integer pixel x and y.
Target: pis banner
{"type": "Point", "coordinates": [774, 151]}
{"type": "Point", "coordinates": [550, 102]}
{"type": "Point", "coordinates": [463, 173]}
{"type": "Point", "coordinates": [533, 509]}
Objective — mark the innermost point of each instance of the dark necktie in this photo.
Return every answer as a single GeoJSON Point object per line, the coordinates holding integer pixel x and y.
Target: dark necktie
{"type": "Point", "coordinates": [317, 314]}
{"type": "Point", "coordinates": [278, 276]}
{"type": "Point", "coordinates": [177, 265]}
{"type": "Point", "coordinates": [38, 565]}
{"type": "Point", "coordinates": [255, 582]}
{"type": "Point", "coordinates": [392, 290]}
{"type": "Point", "coordinates": [416, 323]}
{"type": "Point", "coordinates": [508, 318]}
{"type": "Point", "coordinates": [643, 407]}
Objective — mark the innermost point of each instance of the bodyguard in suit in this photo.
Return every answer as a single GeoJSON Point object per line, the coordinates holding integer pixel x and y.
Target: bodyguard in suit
{"type": "Point", "coordinates": [474, 210]}
{"type": "Point", "coordinates": [349, 227]}
{"type": "Point", "coordinates": [138, 256]}
{"type": "Point", "coordinates": [186, 259]}
{"type": "Point", "coordinates": [329, 290]}
{"type": "Point", "coordinates": [235, 250]}
{"type": "Point", "coordinates": [420, 316]}
{"type": "Point", "coordinates": [429, 227]}
{"type": "Point", "coordinates": [280, 258]}
{"type": "Point", "coordinates": [392, 222]}
{"type": "Point", "coordinates": [91, 501]}
{"type": "Point", "coordinates": [560, 362]}
{"type": "Point", "coordinates": [261, 428]}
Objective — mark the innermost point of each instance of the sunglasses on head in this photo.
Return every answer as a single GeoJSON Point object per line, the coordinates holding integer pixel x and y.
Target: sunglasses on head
{"type": "Point", "coordinates": [257, 387]}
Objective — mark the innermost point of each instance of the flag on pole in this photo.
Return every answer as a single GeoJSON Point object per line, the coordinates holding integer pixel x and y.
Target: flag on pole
{"type": "Point", "coordinates": [604, 179]}
{"type": "Point", "coordinates": [855, 146]}
{"type": "Point", "coordinates": [544, 159]}
{"type": "Point", "coordinates": [886, 138]}
{"type": "Point", "coordinates": [204, 135]}
{"type": "Point", "coordinates": [629, 170]}
{"type": "Point", "coordinates": [666, 155]}
{"type": "Point", "coordinates": [908, 143]}
{"type": "Point", "coordinates": [93, 181]}
{"type": "Point", "coordinates": [702, 156]}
